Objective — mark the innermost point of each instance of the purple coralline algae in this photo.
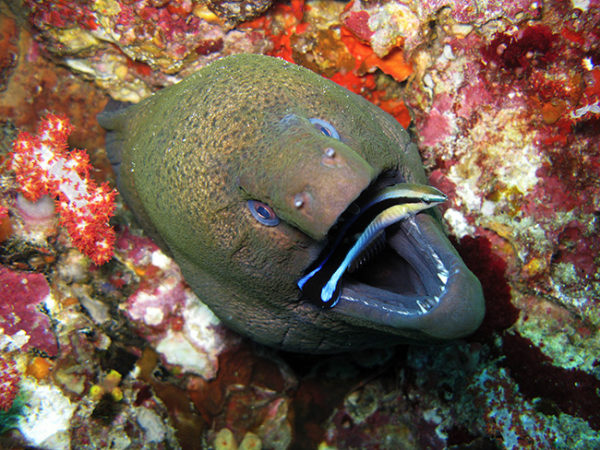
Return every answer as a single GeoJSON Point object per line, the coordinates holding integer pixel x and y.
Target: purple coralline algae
{"type": "Point", "coordinates": [24, 319]}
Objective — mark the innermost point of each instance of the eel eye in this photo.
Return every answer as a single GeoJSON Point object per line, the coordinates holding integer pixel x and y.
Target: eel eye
{"type": "Point", "coordinates": [326, 128]}
{"type": "Point", "coordinates": [263, 213]}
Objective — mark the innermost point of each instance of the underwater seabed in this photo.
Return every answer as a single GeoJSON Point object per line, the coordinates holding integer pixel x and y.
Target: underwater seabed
{"type": "Point", "coordinates": [503, 99]}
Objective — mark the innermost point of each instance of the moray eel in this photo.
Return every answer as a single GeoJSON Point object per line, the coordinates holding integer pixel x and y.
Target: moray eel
{"type": "Point", "coordinates": [298, 211]}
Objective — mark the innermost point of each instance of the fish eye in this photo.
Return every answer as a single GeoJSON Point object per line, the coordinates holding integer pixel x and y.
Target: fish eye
{"type": "Point", "coordinates": [325, 127]}
{"type": "Point", "coordinates": [263, 213]}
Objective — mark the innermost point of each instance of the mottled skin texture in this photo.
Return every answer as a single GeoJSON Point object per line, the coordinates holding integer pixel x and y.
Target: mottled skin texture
{"type": "Point", "coordinates": [192, 155]}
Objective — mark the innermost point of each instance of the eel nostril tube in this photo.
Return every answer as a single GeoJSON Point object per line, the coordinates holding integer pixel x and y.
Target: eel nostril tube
{"type": "Point", "coordinates": [329, 157]}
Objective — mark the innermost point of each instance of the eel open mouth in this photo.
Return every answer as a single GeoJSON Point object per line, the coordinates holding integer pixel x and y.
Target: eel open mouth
{"type": "Point", "coordinates": [389, 266]}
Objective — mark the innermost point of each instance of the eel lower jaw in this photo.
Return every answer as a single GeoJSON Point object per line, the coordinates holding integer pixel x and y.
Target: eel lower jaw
{"type": "Point", "coordinates": [419, 288]}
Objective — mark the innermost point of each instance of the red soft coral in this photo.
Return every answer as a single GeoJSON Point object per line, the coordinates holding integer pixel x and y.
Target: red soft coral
{"type": "Point", "coordinates": [43, 166]}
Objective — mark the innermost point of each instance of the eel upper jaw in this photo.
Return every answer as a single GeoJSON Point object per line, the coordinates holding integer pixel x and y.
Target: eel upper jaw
{"type": "Point", "coordinates": [434, 297]}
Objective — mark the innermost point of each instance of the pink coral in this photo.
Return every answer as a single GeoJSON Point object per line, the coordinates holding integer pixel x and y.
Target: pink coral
{"type": "Point", "coordinates": [44, 167]}
{"type": "Point", "coordinates": [358, 23]}
{"type": "Point", "coordinates": [61, 13]}
{"type": "Point", "coordinates": [9, 383]}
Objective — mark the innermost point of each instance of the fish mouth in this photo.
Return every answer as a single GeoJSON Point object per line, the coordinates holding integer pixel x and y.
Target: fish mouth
{"type": "Point", "coordinates": [408, 280]}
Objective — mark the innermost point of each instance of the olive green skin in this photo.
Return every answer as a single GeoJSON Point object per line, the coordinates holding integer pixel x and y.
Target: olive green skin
{"type": "Point", "coordinates": [192, 155]}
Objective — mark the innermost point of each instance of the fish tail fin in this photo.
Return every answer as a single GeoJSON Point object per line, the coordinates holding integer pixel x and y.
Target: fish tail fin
{"type": "Point", "coordinates": [112, 119]}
